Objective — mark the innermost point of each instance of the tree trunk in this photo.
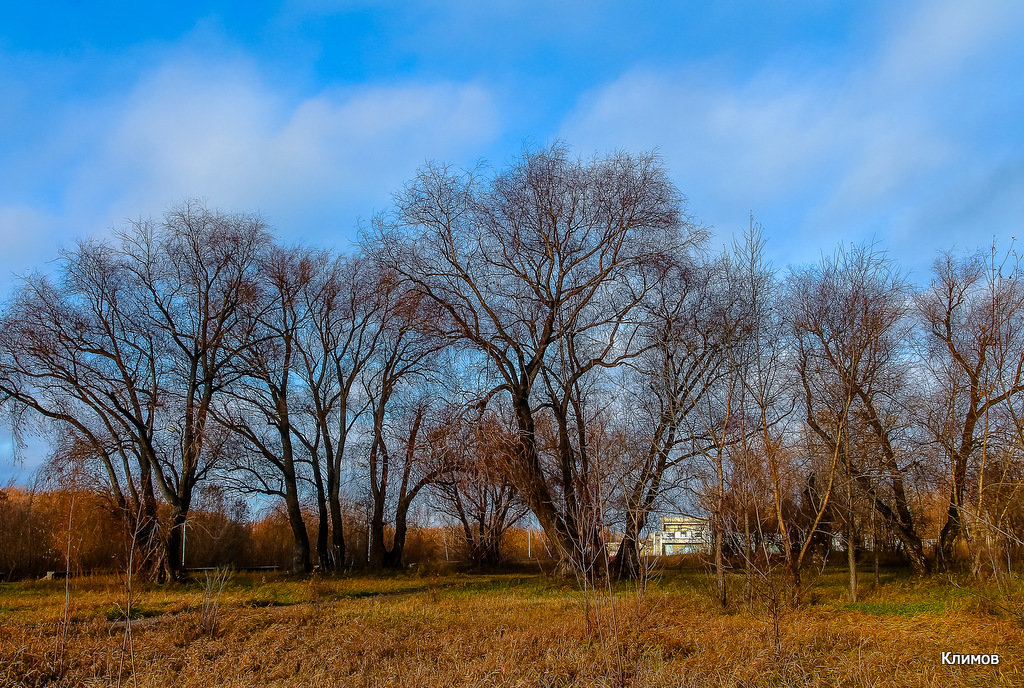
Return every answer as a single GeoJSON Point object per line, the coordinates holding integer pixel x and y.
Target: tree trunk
{"type": "Point", "coordinates": [381, 557]}
{"type": "Point", "coordinates": [627, 562]}
{"type": "Point", "coordinates": [324, 551]}
{"type": "Point", "coordinates": [173, 552]}
{"type": "Point", "coordinates": [377, 548]}
{"type": "Point", "coordinates": [851, 561]}
{"type": "Point", "coordinates": [301, 560]}
{"type": "Point", "coordinates": [795, 581]}
{"type": "Point", "coordinates": [912, 547]}
{"type": "Point", "coordinates": [953, 527]}
{"type": "Point", "coordinates": [393, 556]}
{"type": "Point", "coordinates": [874, 545]}
{"type": "Point", "coordinates": [337, 533]}
{"type": "Point", "coordinates": [529, 480]}
{"type": "Point", "coordinates": [721, 590]}
{"type": "Point", "coordinates": [300, 554]}
{"type": "Point", "coordinates": [147, 533]}
{"type": "Point", "coordinates": [748, 559]}
{"type": "Point", "coordinates": [851, 536]}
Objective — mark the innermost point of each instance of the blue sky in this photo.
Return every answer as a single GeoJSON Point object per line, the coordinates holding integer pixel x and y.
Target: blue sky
{"type": "Point", "coordinates": [829, 121]}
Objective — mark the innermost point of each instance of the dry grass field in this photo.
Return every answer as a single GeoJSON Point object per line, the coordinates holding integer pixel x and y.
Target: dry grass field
{"type": "Point", "coordinates": [494, 630]}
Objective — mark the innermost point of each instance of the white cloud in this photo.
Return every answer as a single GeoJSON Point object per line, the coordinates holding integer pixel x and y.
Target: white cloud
{"type": "Point", "coordinates": [837, 154]}
{"type": "Point", "coordinates": [765, 141]}
{"type": "Point", "coordinates": [221, 133]}
{"type": "Point", "coordinates": [937, 38]}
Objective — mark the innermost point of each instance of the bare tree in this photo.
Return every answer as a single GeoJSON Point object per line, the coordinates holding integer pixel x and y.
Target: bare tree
{"type": "Point", "coordinates": [477, 491]}
{"type": "Point", "coordinates": [193, 275]}
{"type": "Point", "coordinates": [397, 384]}
{"type": "Point", "coordinates": [130, 350]}
{"type": "Point", "coordinates": [973, 313]}
{"type": "Point", "coordinates": [258, 406]}
{"type": "Point", "coordinates": [850, 331]}
{"type": "Point", "coordinates": [345, 307]}
{"type": "Point", "coordinates": [764, 407]}
{"type": "Point", "coordinates": [692, 323]}
{"type": "Point", "coordinates": [61, 364]}
{"type": "Point", "coordinates": [539, 271]}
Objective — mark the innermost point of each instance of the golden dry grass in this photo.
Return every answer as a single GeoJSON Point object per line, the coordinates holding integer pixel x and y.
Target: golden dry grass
{"type": "Point", "coordinates": [460, 630]}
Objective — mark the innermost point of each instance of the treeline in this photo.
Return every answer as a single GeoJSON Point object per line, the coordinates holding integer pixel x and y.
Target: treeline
{"type": "Point", "coordinates": [553, 339]}
{"type": "Point", "coordinates": [77, 533]}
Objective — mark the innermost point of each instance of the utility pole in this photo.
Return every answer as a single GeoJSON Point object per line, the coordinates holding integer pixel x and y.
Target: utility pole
{"type": "Point", "coordinates": [184, 531]}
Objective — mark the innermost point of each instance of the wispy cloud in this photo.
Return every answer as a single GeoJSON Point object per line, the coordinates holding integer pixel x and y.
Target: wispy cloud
{"type": "Point", "coordinates": [225, 135]}
{"type": "Point", "coordinates": [933, 41]}
{"type": "Point", "coordinates": [842, 152]}
{"type": "Point", "coordinates": [219, 131]}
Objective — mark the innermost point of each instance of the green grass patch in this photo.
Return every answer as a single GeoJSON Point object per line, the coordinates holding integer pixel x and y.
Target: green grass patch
{"type": "Point", "coordinates": [529, 586]}
{"type": "Point", "coordinates": [271, 596]}
{"type": "Point", "coordinates": [904, 610]}
{"type": "Point", "coordinates": [32, 588]}
{"type": "Point", "coordinates": [117, 612]}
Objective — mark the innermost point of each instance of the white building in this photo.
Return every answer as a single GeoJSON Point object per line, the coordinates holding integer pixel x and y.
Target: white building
{"type": "Point", "coordinates": [680, 535]}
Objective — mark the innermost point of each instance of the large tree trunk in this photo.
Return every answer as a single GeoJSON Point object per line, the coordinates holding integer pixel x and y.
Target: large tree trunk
{"type": "Point", "coordinates": [901, 526]}
{"type": "Point", "coordinates": [173, 554]}
{"type": "Point", "coordinates": [393, 557]}
{"type": "Point", "coordinates": [301, 560]}
{"type": "Point", "coordinates": [627, 562]}
{"type": "Point", "coordinates": [144, 531]}
{"type": "Point", "coordinates": [382, 557]}
{"type": "Point", "coordinates": [528, 478]}
{"type": "Point", "coordinates": [324, 552]}
{"type": "Point", "coordinates": [954, 526]}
